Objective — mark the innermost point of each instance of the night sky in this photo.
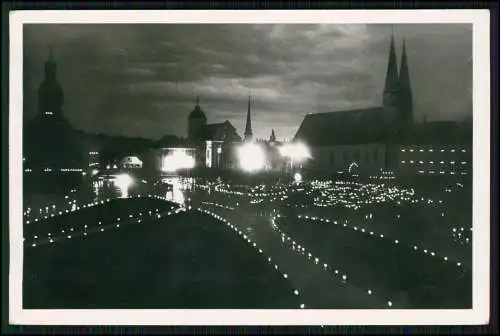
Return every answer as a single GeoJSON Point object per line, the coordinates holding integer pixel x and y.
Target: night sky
{"type": "Point", "coordinates": [142, 80]}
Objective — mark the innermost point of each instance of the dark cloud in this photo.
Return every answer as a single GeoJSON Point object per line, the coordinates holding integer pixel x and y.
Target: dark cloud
{"type": "Point", "coordinates": [142, 80]}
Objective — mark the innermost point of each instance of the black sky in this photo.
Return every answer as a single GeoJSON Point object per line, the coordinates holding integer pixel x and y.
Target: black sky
{"type": "Point", "coordinates": [142, 80]}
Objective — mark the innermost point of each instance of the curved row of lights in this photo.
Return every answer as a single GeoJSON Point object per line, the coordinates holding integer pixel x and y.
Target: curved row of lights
{"type": "Point", "coordinates": [428, 252]}
{"type": "Point", "coordinates": [251, 243]}
{"type": "Point", "coordinates": [92, 204]}
{"type": "Point", "coordinates": [300, 249]}
{"type": "Point", "coordinates": [132, 219]}
{"type": "Point", "coordinates": [99, 223]}
{"type": "Point", "coordinates": [218, 205]}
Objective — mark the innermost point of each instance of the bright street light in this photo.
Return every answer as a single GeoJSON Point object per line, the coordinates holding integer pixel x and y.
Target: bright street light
{"type": "Point", "coordinates": [251, 157]}
{"type": "Point", "coordinates": [177, 160]}
{"type": "Point", "coordinates": [298, 152]}
{"type": "Point", "coordinates": [123, 182]}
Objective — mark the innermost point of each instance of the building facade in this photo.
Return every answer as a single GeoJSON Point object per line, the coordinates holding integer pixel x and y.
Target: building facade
{"type": "Point", "coordinates": [385, 139]}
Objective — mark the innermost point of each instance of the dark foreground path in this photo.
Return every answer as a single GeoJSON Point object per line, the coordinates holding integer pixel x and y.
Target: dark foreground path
{"type": "Point", "coordinates": [186, 260]}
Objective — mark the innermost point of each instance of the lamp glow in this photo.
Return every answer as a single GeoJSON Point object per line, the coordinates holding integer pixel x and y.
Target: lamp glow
{"type": "Point", "coordinates": [251, 157]}
{"type": "Point", "coordinates": [123, 182]}
{"type": "Point", "coordinates": [298, 152]}
{"type": "Point", "coordinates": [177, 160]}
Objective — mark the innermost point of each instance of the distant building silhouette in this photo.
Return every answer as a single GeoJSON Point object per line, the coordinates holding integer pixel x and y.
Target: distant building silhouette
{"type": "Point", "coordinates": [50, 143]}
{"type": "Point", "coordinates": [50, 94]}
{"type": "Point", "coordinates": [371, 138]}
{"type": "Point", "coordinates": [197, 121]}
{"type": "Point", "coordinates": [211, 141]}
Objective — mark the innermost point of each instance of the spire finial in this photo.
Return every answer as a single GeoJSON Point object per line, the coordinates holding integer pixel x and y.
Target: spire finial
{"type": "Point", "coordinates": [248, 126]}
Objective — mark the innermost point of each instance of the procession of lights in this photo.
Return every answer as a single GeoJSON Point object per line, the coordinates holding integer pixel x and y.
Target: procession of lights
{"type": "Point", "coordinates": [253, 244]}
{"type": "Point", "coordinates": [70, 233]}
{"type": "Point", "coordinates": [292, 245]}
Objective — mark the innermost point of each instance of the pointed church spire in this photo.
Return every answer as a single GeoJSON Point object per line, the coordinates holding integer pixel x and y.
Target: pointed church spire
{"type": "Point", "coordinates": [391, 78]}
{"type": "Point", "coordinates": [272, 138]}
{"type": "Point", "coordinates": [248, 126]}
{"type": "Point", "coordinates": [390, 96]}
{"type": "Point", "coordinates": [405, 95]}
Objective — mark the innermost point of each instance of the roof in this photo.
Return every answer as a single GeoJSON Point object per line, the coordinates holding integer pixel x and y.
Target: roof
{"type": "Point", "coordinates": [132, 160]}
{"type": "Point", "coordinates": [197, 113]}
{"type": "Point", "coordinates": [345, 127]}
{"type": "Point", "coordinates": [219, 132]}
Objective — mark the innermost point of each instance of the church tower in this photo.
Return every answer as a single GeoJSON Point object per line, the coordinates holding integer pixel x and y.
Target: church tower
{"type": "Point", "coordinates": [50, 93]}
{"type": "Point", "coordinates": [248, 126]}
{"type": "Point", "coordinates": [197, 121]}
{"type": "Point", "coordinates": [405, 93]}
{"type": "Point", "coordinates": [390, 97]}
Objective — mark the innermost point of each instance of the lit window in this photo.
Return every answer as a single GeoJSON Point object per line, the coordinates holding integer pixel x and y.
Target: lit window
{"type": "Point", "coordinates": [431, 162]}
{"type": "Point", "coordinates": [411, 150]}
{"type": "Point", "coordinates": [442, 150]}
{"type": "Point", "coordinates": [403, 161]}
{"type": "Point", "coordinates": [411, 161]}
{"type": "Point", "coordinates": [420, 162]}
{"type": "Point", "coordinates": [463, 162]}
{"type": "Point", "coordinates": [441, 162]}
{"type": "Point", "coordinates": [403, 150]}
{"type": "Point", "coordinates": [49, 113]}
{"type": "Point", "coordinates": [421, 150]}
{"type": "Point", "coordinates": [453, 151]}
{"type": "Point", "coordinates": [431, 150]}
{"type": "Point", "coordinates": [452, 162]}
{"type": "Point", "coordinates": [463, 150]}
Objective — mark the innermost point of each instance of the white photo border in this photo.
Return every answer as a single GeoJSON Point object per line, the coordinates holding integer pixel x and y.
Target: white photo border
{"type": "Point", "coordinates": [479, 314]}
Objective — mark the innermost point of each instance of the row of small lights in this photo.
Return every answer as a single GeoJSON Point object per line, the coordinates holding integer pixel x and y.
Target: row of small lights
{"type": "Point", "coordinates": [49, 234]}
{"type": "Point", "coordinates": [156, 211]}
{"type": "Point", "coordinates": [432, 162]}
{"type": "Point", "coordinates": [46, 170]}
{"type": "Point", "coordinates": [253, 244]}
{"type": "Point", "coordinates": [441, 172]}
{"type": "Point", "coordinates": [300, 248]}
{"type": "Point", "coordinates": [91, 204]}
{"type": "Point", "coordinates": [218, 205]}
{"type": "Point", "coordinates": [339, 275]}
{"type": "Point", "coordinates": [371, 233]}
{"type": "Point", "coordinates": [71, 234]}
{"type": "Point", "coordinates": [48, 208]}
{"type": "Point", "coordinates": [432, 150]}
